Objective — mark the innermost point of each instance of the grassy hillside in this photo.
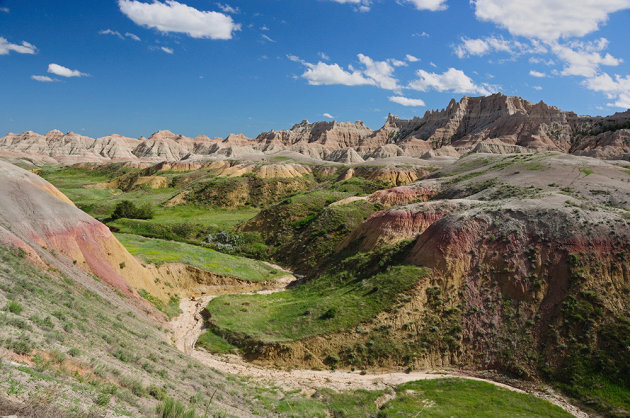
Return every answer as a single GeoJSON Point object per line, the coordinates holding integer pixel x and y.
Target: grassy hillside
{"type": "Point", "coordinates": [459, 397]}
{"type": "Point", "coordinates": [157, 251]}
{"type": "Point", "coordinates": [343, 297]}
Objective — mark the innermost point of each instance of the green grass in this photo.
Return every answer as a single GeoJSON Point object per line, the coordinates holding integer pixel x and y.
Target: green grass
{"type": "Point", "coordinates": [333, 302]}
{"type": "Point", "coordinates": [213, 343]}
{"type": "Point", "coordinates": [170, 309]}
{"type": "Point", "coordinates": [586, 171]}
{"type": "Point", "coordinates": [459, 397]}
{"type": "Point", "coordinates": [157, 251]}
{"type": "Point", "coordinates": [185, 223]}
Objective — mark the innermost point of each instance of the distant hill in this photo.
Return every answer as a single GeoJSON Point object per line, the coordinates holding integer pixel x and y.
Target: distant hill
{"type": "Point", "coordinates": [494, 124]}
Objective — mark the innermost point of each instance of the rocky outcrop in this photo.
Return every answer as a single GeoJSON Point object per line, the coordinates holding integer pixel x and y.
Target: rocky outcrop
{"type": "Point", "coordinates": [607, 145]}
{"type": "Point", "coordinates": [493, 124]}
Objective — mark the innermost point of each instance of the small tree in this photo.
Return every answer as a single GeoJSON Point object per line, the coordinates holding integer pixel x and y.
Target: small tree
{"type": "Point", "coordinates": [127, 209]}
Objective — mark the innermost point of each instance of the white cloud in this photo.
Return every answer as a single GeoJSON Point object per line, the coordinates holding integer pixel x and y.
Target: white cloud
{"type": "Point", "coordinates": [482, 46]}
{"type": "Point", "coordinates": [538, 74]}
{"type": "Point", "coordinates": [617, 89]}
{"type": "Point", "coordinates": [432, 5]}
{"type": "Point", "coordinates": [380, 72]}
{"type": "Point", "coordinates": [328, 74]}
{"type": "Point", "coordinates": [111, 32]}
{"type": "Point", "coordinates": [43, 78]}
{"type": "Point", "coordinates": [328, 115]}
{"type": "Point", "coordinates": [64, 72]}
{"type": "Point", "coordinates": [267, 38]}
{"type": "Point", "coordinates": [537, 60]}
{"type": "Point", "coordinates": [264, 27]}
{"type": "Point", "coordinates": [4, 9]}
{"type": "Point", "coordinates": [360, 5]}
{"type": "Point", "coordinates": [405, 101]}
{"type": "Point", "coordinates": [173, 16]}
{"type": "Point", "coordinates": [420, 35]}
{"type": "Point", "coordinates": [24, 48]}
{"type": "Point", "coordinates": [295, 58]}
{"type": "Point", "coordinates": [226, 8]}
{"type": "Point", "coordinates": [397, 63]}
{"type": "Point", "coordinates": [375, 73]}
{"type": "Point", "coordinates": [167, 50]}
{"type": "Point", "coordinates": [452, 80]}
{"type": "Point", "coordinates": [323, 56]}
{"type": "Point", "coordinates": [583, 58]}
{"type": "Point", "coordinates": [411, 58]}
{"type": "Point", "coordinates": [537, 88]}
{"type": "Point", "coordinates": [132, 36]}
{"type": "Point", "coordinates": [548, 19]}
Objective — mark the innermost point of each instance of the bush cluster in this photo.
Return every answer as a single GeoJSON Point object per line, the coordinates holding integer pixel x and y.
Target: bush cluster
{"type": "Point", "coordinates": [127, 209]}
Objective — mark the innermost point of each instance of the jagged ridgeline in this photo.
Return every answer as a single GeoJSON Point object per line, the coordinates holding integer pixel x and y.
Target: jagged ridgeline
{"type": "Point", "coordinates": [485, 124]}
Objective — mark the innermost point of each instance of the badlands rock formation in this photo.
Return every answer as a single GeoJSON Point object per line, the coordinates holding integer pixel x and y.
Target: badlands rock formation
{"type": "Point", "coordinates": [495, 124]}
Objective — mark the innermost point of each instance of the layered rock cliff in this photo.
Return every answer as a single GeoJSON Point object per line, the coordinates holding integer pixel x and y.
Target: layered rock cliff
{"type": "Point", "coordinates": [493, 124]}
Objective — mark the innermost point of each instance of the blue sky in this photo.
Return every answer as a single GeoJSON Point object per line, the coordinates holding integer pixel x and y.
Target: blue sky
{"type": "Point", "coordinates": [204, 67]}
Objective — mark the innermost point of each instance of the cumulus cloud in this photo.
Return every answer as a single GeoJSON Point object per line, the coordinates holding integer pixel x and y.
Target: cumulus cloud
{"type": "Point", "coordinates": [328, 115]}
{"type": "Point", "coordinates": [583, 58]}
{"type": "Point", "coordinates": [617, 88]}
{"type": "Point", "coordinates": [432, 5]}
{"type": "Point", "coordinates": [537, 74]}
{"type": "Point", "coordinates": [329, 74]}
{"type": "Point", "coordinates": [411, 58]}
{"type": "Point", "coordinates": [375, 73]}
{"type": "Point", "coordinates": [548, 19]}
{"type": "Point", "coordinates": [452, 80]}
{"type": "Point", "coordinates": [380, 72]}
{"type": "Point", "coordinates": [43, 78]}
{"type": "Point", "coordinates": [64, 71]}
{"type": "Point", "coordinates": [7, 47]}
{"type": "Point", "coordinates": [173, 16]}
{"type": "Point", "coordinates": [405, 101]}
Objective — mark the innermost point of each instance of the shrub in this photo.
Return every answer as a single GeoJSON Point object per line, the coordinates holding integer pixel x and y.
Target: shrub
{"type": "Point", "coordinates": [330, 313]}
{"type": "Point", "coordinates": [127, 209]}
{"type": "Point", "coordinates": [21, 346]}
{"type": "Point", "coordinates": [74, 352]}
{"type": "Point", "coordinates": [14, 307]}
{"type": "Point", "coordinates": [157, 392]}
{"type": "Point", "coordinates": [171, 408]}
{"type": "Point", "coordinates": [102, 399]}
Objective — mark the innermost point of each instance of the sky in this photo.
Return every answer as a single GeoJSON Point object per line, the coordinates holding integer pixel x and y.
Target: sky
{"type": "Point", "coordinates": [195, 67]}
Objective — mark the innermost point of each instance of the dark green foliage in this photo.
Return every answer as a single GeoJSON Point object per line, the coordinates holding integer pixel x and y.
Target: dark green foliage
{"type": "Point", "coordinates": [14, 307]}
{"type": "Point", "coordinates": [126, 209]}
{"type": "Point", "coordinates": [330, 313]}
